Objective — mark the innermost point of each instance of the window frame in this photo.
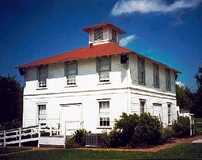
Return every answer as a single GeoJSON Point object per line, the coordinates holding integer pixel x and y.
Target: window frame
{"type": "Point", "coordinates": [141, 71]}
{"type": "Point", "coordinates": [104, 117]}
{"type": "Point", "coordinates": [42, 120]}
{"type": "Point", "coordinates": [98, 34]}
{"type": "Point", "coordinates": [156, 80]}
{"type": "Point", "coordinates": [42, 82]}
{"type": "Point", "coordinates": [142, 107]}
{"type": "Point", "coordinates": [114, 35]}
{"type": "Point", "coordinates": [169, 113]}
{"type": "Point", "coordinates": [103, 72]}
{"type": "Point", "coordinates": [168, 79]}
{"type": "Point", "coordinates": [70, 76]}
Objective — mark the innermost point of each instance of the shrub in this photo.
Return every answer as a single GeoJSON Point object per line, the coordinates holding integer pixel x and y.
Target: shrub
{"type": "Point", "coordinates": [79, 137]}
{"type": "Point", "coordinates": [181, 127]}
{"type": "Point", "coordinates": [166, 134]}
{"type": "Point", "coordinates": [126, 125]}
{"type": "Point", "coordinates": [104, 139]}
{"type": "Point", "coordinates": [115, 138]}
{"type": "Point", "coordinates": [147, 131]}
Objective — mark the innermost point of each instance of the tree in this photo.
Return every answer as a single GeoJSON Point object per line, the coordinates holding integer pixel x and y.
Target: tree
{"type": "Point", "coordinates": [184, 98]}
{"type": "Point", "coordinates": [197, 102]}
{"type": "Point", "coordinates": [11, 95]}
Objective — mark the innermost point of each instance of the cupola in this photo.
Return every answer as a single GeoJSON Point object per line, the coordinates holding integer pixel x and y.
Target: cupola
{"type": "Point", "coordinates": [103, 33]}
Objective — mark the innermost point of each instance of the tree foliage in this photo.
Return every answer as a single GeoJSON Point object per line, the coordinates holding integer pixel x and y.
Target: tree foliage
{"type": "Point", "coordinates": [184, 98]}
{"type": "Point", "coordinates": [11, 95]}
{"type": "Point", "coordinates": [197, 100]}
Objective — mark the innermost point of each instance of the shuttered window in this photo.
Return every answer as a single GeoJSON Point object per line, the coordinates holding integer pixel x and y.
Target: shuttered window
{"type": "Point", "coordinates": [114, 36]}
{"type": "Point", "coordinates": [98, 34]}
{"type": "Point", "coordinates": [103, 66]}
{"type": "Point", "coordinates": [141, 71]}
{"type": "Point", "coordinates": [42, 76]}
{"type": "Point", "coordinates": [168, 80]}
{"type": "Point", "coordinates": [71, 70]}
{"type": "Point", "coordinates": [156, 75]}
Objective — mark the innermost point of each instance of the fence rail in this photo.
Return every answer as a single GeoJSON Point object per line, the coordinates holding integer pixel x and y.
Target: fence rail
{"type": "Point", "coordinates": [27, 134]}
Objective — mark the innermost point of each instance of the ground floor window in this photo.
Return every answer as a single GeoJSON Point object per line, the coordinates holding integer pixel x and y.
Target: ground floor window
{"type": "Point", "coordinates": [104, 121]}
{"type": "Point", "coordinates": [169, 113]}
{"type": "Point", "coordinates": [42, 114]}
{"type": "Point", "coordinates": [142, 105]}
{"type": "Point", "coordinates": [104, 113]}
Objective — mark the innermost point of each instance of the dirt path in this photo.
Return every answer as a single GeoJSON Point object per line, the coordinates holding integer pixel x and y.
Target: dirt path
{"type": "Point", "coordinates": [149, 149]}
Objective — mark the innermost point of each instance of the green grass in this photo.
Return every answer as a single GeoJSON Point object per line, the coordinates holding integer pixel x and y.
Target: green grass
{"type": "Point", "coordinates": [182, 151]}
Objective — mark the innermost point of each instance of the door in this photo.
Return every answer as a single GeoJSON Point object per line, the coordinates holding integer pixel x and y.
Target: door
{"type": "Point", "coordinates": [71, 118]}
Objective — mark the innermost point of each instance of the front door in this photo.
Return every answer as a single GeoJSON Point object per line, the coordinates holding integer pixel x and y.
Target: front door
{"type": "Point", "coordinates": [71, 118]}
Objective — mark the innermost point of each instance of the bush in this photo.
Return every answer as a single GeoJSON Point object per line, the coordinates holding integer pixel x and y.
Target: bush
{"type": "Point", "coordinates": [147, 131]}
{"type": "Point", "coordinates": [126, 125]}
{"type": "Point", "coordinates": [115, 138]}
{"type": "Point", "coordinates": [181, 127]}
{"type": "Point", "coordinates": [79, 137]}
{"type": "Point", "coordinates": [166, 134]}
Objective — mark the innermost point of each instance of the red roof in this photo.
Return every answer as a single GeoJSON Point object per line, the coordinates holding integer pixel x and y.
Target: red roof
{"type": "Point", "coordinates": [103, 25]}
{"type": "Point", "coordinates": [82, 53]}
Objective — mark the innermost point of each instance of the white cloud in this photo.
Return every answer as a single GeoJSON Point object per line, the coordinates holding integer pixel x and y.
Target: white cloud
{"type": "Point", "coordinates": [147, 6]}
{"type": "Point", "coordinates": [126, 40]}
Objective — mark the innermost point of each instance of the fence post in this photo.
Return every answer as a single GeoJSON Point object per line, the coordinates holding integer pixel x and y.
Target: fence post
{"type": "Point", "coordinates": [20, 131]}
{"type": "Point", "coordinates": [39, 134]}
{"type": "Point", "coordinates": [65, 135]}
{"type": "Point", "coordinates": [4, 138]}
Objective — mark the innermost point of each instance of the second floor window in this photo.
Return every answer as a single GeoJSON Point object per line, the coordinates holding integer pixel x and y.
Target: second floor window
{"type": "Point", "coordinates": [71, 69]}
{"type": "Point", "coordinates": [103, 65]}
{"type": "Point", "coordinates": [114, 36]}
{"type": "Point", "coordinates": [156, 75]}
{"type": "Point", "coordinates": [98, 34]}
{"type": "Point", "coordinates": [168, 80]}
{"type": "Point", "coordinates": [42, 76]}
{"type": "Point", "coordinates": [141, 71]}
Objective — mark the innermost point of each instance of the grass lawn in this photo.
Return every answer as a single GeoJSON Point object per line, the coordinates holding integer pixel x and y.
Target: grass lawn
{"type": "Point", "coordinates": [181, 151]}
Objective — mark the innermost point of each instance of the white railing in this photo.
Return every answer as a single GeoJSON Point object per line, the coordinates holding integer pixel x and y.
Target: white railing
{"type": "Point", "coordinates": [27, 134]}
{"type": "Point", "coordinates": [19, 135]}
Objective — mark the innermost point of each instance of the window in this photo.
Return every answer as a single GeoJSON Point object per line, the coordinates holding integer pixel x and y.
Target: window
{"type": "Point", "coordinates": [103, 66]}
{"type": "Point", "coordinates": [98, 34]}
{"type": "Point", "coordinates": [169, 113]}
{"type": "Point", "coordinates": [142, 104]}
{"type": "Point", "coordinates": [114, 36]}
{"type": "Point", "coordinates": [141, 71]}
{"type": "Point", "coordinates": [42, 76]}
{"type": "Point", "coordinates": [168, 80]}
{"type": "Point", "coordinates": [71, 69]}
{"type": "Point", "coordinates": [104, 114]}
{"type": "Point", "coordinates": [42, 113]}
{"type": "Point", "coordinates": [156, 75]}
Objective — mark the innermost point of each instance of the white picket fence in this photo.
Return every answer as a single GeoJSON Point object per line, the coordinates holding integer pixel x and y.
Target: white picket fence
{"type": "Point", "coordinates": [29, 134]}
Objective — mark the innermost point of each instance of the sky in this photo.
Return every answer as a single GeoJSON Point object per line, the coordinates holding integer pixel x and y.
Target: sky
{"type": "Point", "coordinates": [169, 31]}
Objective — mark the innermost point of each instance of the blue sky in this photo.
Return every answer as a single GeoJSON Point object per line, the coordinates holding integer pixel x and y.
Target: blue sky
{"type": "Point", "coordinates": [167, 30]}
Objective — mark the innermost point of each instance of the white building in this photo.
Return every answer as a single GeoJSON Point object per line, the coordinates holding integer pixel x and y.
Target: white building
{"type": "Point", "coordinates": [91, 87]}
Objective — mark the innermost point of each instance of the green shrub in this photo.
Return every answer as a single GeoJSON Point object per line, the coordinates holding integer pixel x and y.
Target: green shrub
{"type": "Point", "coordinates": [126, 125]}
{"type": "Point", "coordinates": [79, 137]}
{"type": "Point", "coordinates": [104, 140]}
{"type": "Point", "coordinates": [166, 134]}
{"type": "Point", "coordinates": [181, 127]}
{"type": "Point", "coordinates": [115, 138]}
{"type": "Point", "coordinates": [147, 131]}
